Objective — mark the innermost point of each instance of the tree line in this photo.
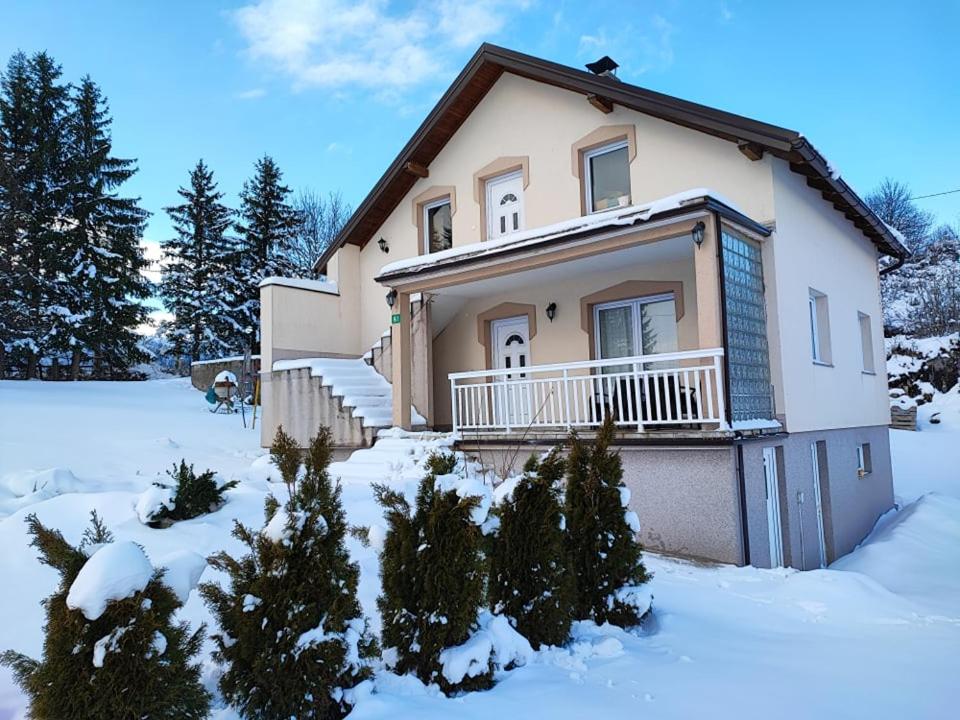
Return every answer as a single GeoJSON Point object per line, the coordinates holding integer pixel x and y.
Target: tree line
{"type": "Point", "coordinates": [71, 241]}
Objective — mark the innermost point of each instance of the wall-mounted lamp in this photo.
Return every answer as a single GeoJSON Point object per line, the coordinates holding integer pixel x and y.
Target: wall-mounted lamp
{"type": "Point", "coordinates": [697, 233]}
{"type": "Point", "coordinates": [383, 245]}
{"type": "Point", "coordinates": [551, 311]}
{"type": "Point", "coordinates": [391, 297]}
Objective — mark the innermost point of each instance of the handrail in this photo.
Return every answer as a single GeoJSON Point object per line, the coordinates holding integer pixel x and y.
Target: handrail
{"type": "Point", "coordinates": [590, 364]}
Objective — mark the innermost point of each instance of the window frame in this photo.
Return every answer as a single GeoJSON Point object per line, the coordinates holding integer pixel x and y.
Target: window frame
{"type": "Point", "coordinates": [634, 303]}
{"type": "Point", "coordinates": [425, 219]}
{"type": "Point", "coordinates": [588, 155]}
{"type": "Point", "coordinates": [864, 459]}
{"type": "Point", "coordinates": [868, 363]}
{"type": "Point", "coordinates": [818, 312]}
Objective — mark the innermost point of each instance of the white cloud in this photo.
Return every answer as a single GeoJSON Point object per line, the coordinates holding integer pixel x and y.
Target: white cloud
{"type": "Point", "coordinates": [251, 94]}
{"type": "Point", "coordinates": [368, 44]}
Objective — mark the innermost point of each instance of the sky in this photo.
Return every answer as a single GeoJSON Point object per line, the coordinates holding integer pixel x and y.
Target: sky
{"type": "Point", "coordinates": [332, 90]}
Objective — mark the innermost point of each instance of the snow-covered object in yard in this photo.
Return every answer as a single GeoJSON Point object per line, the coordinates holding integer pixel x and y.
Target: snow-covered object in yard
{"type": "Point", "coordinates": [359, 386]}
{"type": "Point", "coordinates": [495, 641]}
{"type": "Point", "coordinates": [324, 286]}
{"type": "Point", "coordinates": [265, 469]}
{"type": "Point", "coordinates": [182, 571]}
{"type": "Point", "coordinates": [22, 489]}
{"type": "Point", "coordinates": [114, 572]}
{"type": "Point", "coordinates": [468, 485]}
{"type": "Point", "coordinates": [618, 217]}
{"type": "Point", "coordinates": [225, 376]}
{"type": "Point", "coordinates": [153, 500]}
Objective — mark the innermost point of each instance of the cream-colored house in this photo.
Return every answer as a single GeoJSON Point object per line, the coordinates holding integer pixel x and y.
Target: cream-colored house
{"type": "Point", "coordinates": [553, 245]}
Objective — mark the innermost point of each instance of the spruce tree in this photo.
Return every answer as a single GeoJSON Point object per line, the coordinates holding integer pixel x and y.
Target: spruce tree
{"type": "Point", "coordinates": [266, 229]}
{"type": "Point", "coordinates": [104, 233]}
{"type": "Point", "coordinates": [292, 637]}
{"type": "Point", "coordinates": [530, 580]}
{"type": "Point", "coordinates": [132, 661]}
{"type": "Point", "coordinates": [605, 555]}
{"type": "Point", "coordinates": [195, 284]}
{"type": "Point", "coordinates": [432, 575]}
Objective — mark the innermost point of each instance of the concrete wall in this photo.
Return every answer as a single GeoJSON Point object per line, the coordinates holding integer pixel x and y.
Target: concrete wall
{"type": "Point", "coordinates": [458, 348]}
{"type": "Point", "coordinates": [686, 498]}
{"type": "Point", "coordinates": [851, 504]}
{"type": "Point", "coordinates": [301, 404]}
{"type": "Point", "coordinates": [817, 247]}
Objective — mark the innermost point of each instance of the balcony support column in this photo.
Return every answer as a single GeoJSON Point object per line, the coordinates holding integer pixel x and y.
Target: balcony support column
{"type": "Point", "coordinates": [400, 341]}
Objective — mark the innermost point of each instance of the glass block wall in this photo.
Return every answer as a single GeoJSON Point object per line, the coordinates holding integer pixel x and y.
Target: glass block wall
{"type": "Point", "coordinates": [748, 360]}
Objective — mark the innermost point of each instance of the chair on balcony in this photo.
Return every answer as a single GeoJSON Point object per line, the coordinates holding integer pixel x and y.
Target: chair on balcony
{"type": "Point", "coordinates": [625, 396]}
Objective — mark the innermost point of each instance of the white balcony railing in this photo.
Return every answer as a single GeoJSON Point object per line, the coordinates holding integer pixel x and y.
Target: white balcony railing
{"type": "Point", "coordinates": [681, 389]}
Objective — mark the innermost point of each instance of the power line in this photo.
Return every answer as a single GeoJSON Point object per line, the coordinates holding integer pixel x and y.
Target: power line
{"type": "Point", "coordinates": [948, 192]}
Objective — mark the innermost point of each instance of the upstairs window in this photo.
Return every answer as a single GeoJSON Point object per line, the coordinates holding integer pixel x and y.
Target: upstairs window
{"type": "Point", "coordinates": [866, 342]}
{"type": "Point", "coordinates": [819, 327]}
{"type": "Point", "coordinates": [607, 176]}
{"type": "Point", "coordinates": [437, 226]}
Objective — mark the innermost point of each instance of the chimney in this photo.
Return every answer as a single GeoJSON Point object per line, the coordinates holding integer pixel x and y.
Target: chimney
{"type": "Point", "coordinates": [604, 67]}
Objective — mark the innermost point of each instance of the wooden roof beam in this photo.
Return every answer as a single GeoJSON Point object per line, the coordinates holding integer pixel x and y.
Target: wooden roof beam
{"type": "Point", "coordinates": [752, 150]}
{"type": "Point", "coordinates": [414, 168]}
{"type": "Point", "coordinates": [602, 104]}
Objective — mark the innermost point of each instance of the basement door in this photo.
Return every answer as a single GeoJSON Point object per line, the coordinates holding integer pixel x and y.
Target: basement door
{"type": "Point", "coordinates": [774, 527]}
{"type": "Point", "coordinates": [511, 351]}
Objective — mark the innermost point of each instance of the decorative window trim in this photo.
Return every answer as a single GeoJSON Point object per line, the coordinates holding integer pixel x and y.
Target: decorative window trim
{"type": "Point", "coordinates": [594, 140]}
{"type": "Point", "coordinates": [501, 312]}
{"type": "Point", "coordinates": [626, 291]}
{"type": "Point", "coordinates": [497, 168]}
{"type": "Point", "coordinates": [431, 196]}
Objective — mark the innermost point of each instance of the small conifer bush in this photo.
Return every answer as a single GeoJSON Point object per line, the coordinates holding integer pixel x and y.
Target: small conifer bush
{"type": "Point", "coordinates": [193, 495]}
{"type": "Point", "coordinates": [432, 572]}
{"type": "Point", "coordinates": [130, 661]}
{"type": "Point", "coordinates": [530, 580]}
{"type": "Point", "coordinates": [292, 640]}
{"type": "Point", "coordinates": [605, 555]}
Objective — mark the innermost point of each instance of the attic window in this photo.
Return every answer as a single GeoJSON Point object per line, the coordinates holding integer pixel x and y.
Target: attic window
{"type": "Point", "coordinates": [607, 176]}
{"type": "Point", "coordinates": [437, 226]}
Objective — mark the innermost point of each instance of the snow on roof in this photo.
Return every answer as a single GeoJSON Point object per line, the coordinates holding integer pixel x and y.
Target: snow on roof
{"type": "Point", "coordinates": [609, 218]}
{"type": "Point", "coordinates": [324, 286]}
{"type": "Point", "coordinates": [114, 572]}
{"type": "Point", "coordinates": [897, 234]}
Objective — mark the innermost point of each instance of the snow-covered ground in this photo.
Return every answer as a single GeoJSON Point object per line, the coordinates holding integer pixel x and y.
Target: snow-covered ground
{"type": "Point", "coordinates": [875, 636]}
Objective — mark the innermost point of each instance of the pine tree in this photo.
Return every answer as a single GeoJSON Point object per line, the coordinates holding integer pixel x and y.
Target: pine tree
{"type": "Point", "coordinates": [432, 575]}
{"type": "Point", "coordinates": [605, 555]}
{"type": "Point", "coordinates": [530, 580]}
{"type": "Point", "coordinates": [267, 228]}
{"type": "Point", "coordinates": [132, 661]}
{"type": "Point", "coordinates": [195, 285]}
{"type": "Point", "coordinates": [104, 232]}
{"type": "Point", "coordinates": [292, 637]}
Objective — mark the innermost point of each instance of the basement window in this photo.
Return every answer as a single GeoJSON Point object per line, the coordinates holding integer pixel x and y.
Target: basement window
{"type": "Point", "coordinates": [607, 176]}
{"type": "Point", "coordinates": [864, 461]}
{"type": "Point", "coordinates": [437, 226]}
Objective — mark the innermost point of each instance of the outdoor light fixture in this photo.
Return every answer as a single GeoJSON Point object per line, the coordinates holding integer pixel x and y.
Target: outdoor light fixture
{"type": "Point", "coordinates": [697, 233]}
{"type": "Point", "coordinates": [391, 297]}
{"type": "Point", "coordinates": [551, 311]}
{"type": "Point", "coordinates": [383, 245]}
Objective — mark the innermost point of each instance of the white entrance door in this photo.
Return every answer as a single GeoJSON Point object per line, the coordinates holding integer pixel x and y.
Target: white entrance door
{"type": "Point", "coordinates": [504, 205]}
{"type": "Point", "coordinates": [511, 351]}
{"type": "Point", "coordinates": [815, 456]}
{"type": "Point", "coordinates": [772, 479]}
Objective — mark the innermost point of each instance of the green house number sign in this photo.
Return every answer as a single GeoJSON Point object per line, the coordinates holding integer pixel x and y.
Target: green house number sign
{"type": "Point", "coordinates": [395, 319]}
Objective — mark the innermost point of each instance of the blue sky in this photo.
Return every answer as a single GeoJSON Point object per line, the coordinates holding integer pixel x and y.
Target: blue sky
{"type": "Point", "coordinates": [332, 90]}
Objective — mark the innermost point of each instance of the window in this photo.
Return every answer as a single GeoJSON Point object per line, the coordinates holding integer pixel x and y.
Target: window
{"type": "Point", "coordinates": [607, 176]}
{"type": "Point", "coordinates": [437, 226]}
{"type": "Point", "coordinates": [866, 342]}
{"type": "Point", "coordinates": [641, 326]}
{"type": "Point", "coordinates": [864, 461]}
{"type": "Point", "coordinates": [819, 327]}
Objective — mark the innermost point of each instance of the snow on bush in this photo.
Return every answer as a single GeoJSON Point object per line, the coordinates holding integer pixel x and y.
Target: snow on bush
{"type": "Point", "coordinates": [114, 572]}
{"type": "Point", "coordinates": [152, 501]}
{"type": "Point", "coordinates": [182, 571]}
{"type": "Point", "coordinates": [494, 642]}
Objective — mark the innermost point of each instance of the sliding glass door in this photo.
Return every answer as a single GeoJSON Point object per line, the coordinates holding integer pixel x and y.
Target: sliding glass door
{"type": "Point", "coordinates": [640, 326]}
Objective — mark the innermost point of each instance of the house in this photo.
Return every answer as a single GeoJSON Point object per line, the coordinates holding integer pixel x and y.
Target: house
{"type": "Point", "coordinates": [553, 245]}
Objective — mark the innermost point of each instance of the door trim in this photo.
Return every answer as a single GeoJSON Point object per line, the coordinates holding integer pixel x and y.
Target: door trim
{"type": "Point", "coordinates": [771, 477]}
{"type": "Point", "coordinates": [818, 499]}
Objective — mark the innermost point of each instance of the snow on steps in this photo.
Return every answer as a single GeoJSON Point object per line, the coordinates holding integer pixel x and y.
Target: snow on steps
{"type": "Point", "coordinates": [359, 386]}
{"type": "Point", "coordinates": [396, 455]}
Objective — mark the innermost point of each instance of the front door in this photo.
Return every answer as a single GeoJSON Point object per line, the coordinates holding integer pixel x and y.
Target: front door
{"type": "Point", "coordinates": [511, 351]}
{"type": "Point", "coordinates": [772, 479]}
{"type": "Point", "coordinates": [504, 205]}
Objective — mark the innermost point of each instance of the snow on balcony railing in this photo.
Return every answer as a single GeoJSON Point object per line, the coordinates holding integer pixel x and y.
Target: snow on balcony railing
{"type": "Point", "coordinates": [681, 389]}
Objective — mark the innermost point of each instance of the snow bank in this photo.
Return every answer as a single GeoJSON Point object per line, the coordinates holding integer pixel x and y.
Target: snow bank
{"type": "Point", "coordinates": [494, 642]}
{"type": "Point", "coordinates": [114, 572]}
{"type": "Point", "coordinates": [183, 569]}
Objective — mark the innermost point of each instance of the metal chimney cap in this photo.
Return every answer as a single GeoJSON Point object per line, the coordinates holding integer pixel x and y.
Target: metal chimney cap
{"type": "Point", "coordinates": [604, 66]}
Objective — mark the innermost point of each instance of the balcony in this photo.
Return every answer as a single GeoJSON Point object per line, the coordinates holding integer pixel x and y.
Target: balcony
{"type": "Point", "coordinates": [680, 391]}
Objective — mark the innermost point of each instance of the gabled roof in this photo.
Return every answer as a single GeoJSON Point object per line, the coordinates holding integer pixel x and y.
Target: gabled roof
{"type": "Point", "coordinates": [480, 74]}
